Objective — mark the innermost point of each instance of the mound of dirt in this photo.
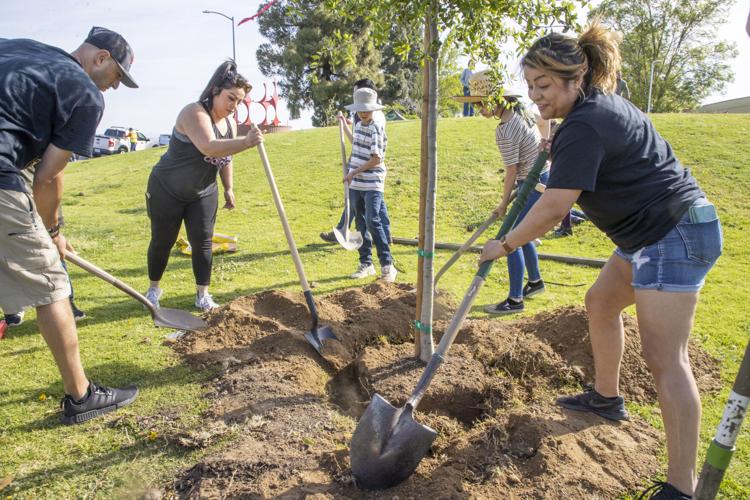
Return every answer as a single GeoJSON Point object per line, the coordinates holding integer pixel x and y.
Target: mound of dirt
{"type": "Point", "coordinates": [500, 435]}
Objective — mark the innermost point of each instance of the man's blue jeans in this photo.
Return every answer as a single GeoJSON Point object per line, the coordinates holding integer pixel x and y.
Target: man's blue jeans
{"type": "Point", "coordinates": [367, 207]}
{"type": "Point", "coordinates": [468, 107]}
{"type": "Point", "coordinates": [525, 257]}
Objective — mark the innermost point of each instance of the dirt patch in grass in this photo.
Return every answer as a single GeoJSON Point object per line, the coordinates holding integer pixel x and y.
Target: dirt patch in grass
{"type": "Point", "coordinates": [499, 433]}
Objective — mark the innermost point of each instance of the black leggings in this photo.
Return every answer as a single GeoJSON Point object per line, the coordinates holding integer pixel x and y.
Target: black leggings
{"type": "Point", "coordinates": [167, 213]}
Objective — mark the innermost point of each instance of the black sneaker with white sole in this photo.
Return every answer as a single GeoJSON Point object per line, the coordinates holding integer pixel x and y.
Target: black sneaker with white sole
{"type": "Point", "coordinates": [328, 236]}
{"type": "Point", "coordinates": [98, 401]}
{"type": "Point", "coordinates": [533, 288]}
{"type": "Point", "coordinates": [661, 490]}
{"type": "Point", "coordinates": [508, 306]}
{"type": "Point", "coordinates": [14, 319]}
{"type": "Point", "coordinates": [590, 400]}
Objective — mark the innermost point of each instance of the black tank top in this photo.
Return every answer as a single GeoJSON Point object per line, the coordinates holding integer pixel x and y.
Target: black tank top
{"type": "Point", "coordinates": [186, 173]}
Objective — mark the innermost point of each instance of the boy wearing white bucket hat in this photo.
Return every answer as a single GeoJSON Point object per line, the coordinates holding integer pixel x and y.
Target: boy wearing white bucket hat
{"type": "Point", "coordinates": [366, 178]}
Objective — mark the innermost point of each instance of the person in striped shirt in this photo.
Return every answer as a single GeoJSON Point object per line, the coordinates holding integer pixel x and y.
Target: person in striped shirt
{"type": "Point", "coordinates": [366, 178]}
{"type": "Point", "coordinates": [518, 138]}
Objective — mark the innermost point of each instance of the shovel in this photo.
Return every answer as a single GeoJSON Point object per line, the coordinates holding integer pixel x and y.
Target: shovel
{"type": "Point", "coordinates": [481, 229]}
{"type": "Point", "coordinates": [388, 443]}
{"type": "Point", "coordinates": [349, 240]}
{"type": "Point", "coordinates": [317, 334]}
{"type": "Point", "coordinates": [164, 317]}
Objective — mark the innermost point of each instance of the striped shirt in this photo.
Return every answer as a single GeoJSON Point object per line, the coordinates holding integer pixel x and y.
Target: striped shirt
{"type": "Point", "coordinates": [518, 144]}
{"type": "Point", "coordinates": [368, 140]}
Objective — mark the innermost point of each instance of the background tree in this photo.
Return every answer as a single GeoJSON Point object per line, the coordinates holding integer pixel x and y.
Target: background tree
{"type": "Point", "coordinates": [682, 36]}
{"type": "Point", "coordinates": [311, 73]}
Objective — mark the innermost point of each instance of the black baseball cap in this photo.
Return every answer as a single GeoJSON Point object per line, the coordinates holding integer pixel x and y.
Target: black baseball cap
{"type": "Point", "coordinates": [118, 48]}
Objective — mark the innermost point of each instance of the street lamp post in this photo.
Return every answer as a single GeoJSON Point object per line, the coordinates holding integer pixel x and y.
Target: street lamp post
{"type": "Point", "coordinates": [231, 19]}
{"type": "Point", "coordinates": [650, 86]}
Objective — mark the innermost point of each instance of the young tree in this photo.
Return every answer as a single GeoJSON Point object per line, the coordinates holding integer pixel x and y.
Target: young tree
{"type": "Point", "coordinates": [680, 38]}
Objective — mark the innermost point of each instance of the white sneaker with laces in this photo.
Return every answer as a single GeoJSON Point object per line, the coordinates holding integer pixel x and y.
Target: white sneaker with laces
{"type": "Point", "coordinates": [205, 302]}
{"type": "Point", "coordinates": [153, 294]}
{"type": "Point", "coordinates": [388, 273]}
{"type": "Point", "coordinates": [363, 271]}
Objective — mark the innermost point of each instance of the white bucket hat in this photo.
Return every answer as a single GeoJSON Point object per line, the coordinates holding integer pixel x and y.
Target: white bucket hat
{"type": "Point", "coordinates": [365, 100]}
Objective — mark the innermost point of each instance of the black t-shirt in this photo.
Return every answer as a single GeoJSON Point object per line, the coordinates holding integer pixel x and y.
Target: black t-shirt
{"type": "Point", "coordinates": [45, 97]}
{"type": "Point", "coordinates": [634, 189]}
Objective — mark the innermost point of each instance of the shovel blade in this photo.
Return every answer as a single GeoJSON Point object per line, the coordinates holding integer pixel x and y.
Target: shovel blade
{"type": "Point", "coordinates": [175, 318]}
{"type": "Point", "coordinates": [350, 240]}
{"type": "Point", "coordinates": [387, 445]}
{"type": "Point", "coordinates": [319, 335]}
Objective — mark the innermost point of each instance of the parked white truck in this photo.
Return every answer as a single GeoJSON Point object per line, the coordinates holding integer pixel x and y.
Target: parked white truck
{"type": "Point", "coordinates": [115, 140]}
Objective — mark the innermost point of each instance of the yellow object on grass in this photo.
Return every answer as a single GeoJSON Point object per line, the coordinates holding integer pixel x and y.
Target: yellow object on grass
{"type": "Point", "coordinates": [221, 243]}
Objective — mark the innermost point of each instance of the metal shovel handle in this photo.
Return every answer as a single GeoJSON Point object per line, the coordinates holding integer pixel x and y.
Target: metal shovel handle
{"type": "Point", "coordinates": [476, 284]}
{"type": "Point", "coordinates": [100, 273]}
{"type": "Point", "coordinates": [481, 229]}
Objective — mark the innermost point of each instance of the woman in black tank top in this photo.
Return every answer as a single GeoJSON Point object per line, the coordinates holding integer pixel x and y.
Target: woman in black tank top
{"type": "Point", "coordinates": [182, 185]}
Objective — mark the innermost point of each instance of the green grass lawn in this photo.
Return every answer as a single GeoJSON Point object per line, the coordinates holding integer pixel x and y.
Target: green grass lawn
{"type": "Point", "coordinates": [107, 223]}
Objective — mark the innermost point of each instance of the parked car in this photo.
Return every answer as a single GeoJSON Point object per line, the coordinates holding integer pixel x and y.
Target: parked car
{"type": "Point", "coordinates": [115, 141]}
{"type": "Point", "coordinates": [163, 140]}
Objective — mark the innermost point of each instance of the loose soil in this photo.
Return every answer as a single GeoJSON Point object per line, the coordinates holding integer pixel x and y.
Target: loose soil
{"type": "Point", "coordinates": [287, 414]}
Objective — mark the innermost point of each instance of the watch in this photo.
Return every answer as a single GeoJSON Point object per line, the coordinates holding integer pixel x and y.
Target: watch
{"type": "Point", "coordinates": [508, 249]}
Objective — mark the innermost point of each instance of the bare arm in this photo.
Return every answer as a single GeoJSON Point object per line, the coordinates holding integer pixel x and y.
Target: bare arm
{"type": "Point", "coordinates": [227, 180]}
{"type": "Point", "coordinates": [195, 122]}
{"type": "Point", "coordinates": [374, 161]}
{"type": "Point", "coordinates": [48, 189]}
{"type": "Point", "coordinates": [511, 172]}
{"type": "Point", "coordinates": [347, 129]}
{"type": "Point", "coordinates": [553, 205]}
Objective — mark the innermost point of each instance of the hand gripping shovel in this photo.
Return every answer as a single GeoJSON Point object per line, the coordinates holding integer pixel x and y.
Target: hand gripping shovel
{"type": "Point", "coordinates": [164, 317]}
{"type": "Point", "coordinates": [317, 335]}
{"type": "Point", "coordinates": [351, 240]}
{"type": "Point", "coordinates": [388, 443]}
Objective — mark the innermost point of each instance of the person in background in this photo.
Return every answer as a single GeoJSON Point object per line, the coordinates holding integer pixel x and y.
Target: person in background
{"type": "Point", "coordinates": [465, 76]}
{"type": "Point", "coordinates": [518, 138]}
{"type": "Point", "coordinates": [66, 89]}
{"type": "Point", "coordinates": [608, 157]}
{"type": "Point", "coordinates": [366, 178]}
{"type": "Point", "coordinates": [379, 118]}
{"type": "Point", "coordinates": [133, 136]}
{"type": "Point", "coordinates": [622, 87]}
{"type": "Point", "coordinates": [182, 185]}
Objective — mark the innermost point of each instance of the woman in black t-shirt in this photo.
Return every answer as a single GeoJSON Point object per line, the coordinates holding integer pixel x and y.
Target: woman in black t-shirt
{"type": "Point", "coordinates": [608, 157]}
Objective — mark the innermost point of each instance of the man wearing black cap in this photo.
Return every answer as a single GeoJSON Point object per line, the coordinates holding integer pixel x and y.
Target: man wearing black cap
{"type": "Point", "coordinates": [50, 105]}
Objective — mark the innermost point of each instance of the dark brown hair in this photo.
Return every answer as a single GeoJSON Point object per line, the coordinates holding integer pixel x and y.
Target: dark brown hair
{"type": "Point", "coordinates": [225, 77]}
{"type": "Point", "coordinates": [594, 55]}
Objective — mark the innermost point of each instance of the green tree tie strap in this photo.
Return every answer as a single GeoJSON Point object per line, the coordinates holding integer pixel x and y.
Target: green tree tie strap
{"type": "Point", "coordinates": [426, 255]}
{"type": "Point", "coordinates": [422, 327]}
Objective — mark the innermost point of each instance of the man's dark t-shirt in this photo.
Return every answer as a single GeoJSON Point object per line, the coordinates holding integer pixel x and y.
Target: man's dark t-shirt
{"type": "Point", "coordinates": [634, 189]}
{"type": "Point", "coordinates": [45, 97]}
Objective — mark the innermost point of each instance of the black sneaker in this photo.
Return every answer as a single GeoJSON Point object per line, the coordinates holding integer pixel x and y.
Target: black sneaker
{"type": "Point", "coordinates": [77, 313]}
{"type": "Point", "coordinates": [98, 401]}
{"type": "Point", "coordinates": [328, 236]}
{"type": "Point", "coordinates": [532, 289]}
{"type": "Point", "coordinates": [561, 232]}
{"type": "Point", "coordinates": [504, 307]}
{"type": "Point", "coordinates": [14, 319]}
{"type": "Point", "coordinates": [590, 400]}
{"type": "Point", "coordinates": [663, 491]}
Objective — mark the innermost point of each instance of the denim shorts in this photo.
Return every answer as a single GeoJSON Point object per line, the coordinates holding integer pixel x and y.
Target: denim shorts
{"type": "Point", "coordinates": [679, 261]}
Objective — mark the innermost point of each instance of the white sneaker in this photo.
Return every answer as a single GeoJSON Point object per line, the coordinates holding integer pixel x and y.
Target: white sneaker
{"type": "Point", "coordinates": [388, 273]}
{"type": "Point", "coordinates": [205, 302]}
{"type": "Point", "coordinates": [363, 271]}
{"type": "Point", "coordinates": [153, 294]}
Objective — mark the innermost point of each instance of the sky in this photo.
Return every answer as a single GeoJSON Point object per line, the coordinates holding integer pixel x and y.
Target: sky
{"type": "Point", "coordinates": [177, 48]}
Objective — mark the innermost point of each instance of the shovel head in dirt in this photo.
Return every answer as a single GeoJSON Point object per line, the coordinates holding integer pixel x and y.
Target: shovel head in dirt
{"type": "Point", "coordinates": [175, 318]}
{"type": "Point", "coordinates": [387, 445]}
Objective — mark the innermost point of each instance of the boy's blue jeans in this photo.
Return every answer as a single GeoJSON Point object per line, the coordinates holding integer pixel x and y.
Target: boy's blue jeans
{"type": "Point", "coordinates": [383, 217]}
{"type": "Point", "coordinates": [367, 206]}
{"type": "Point", "coordinates": [525, 257]}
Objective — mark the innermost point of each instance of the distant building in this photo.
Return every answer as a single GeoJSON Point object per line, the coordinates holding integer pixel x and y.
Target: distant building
{"type": "Point", "coordinates": [741, 105]}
